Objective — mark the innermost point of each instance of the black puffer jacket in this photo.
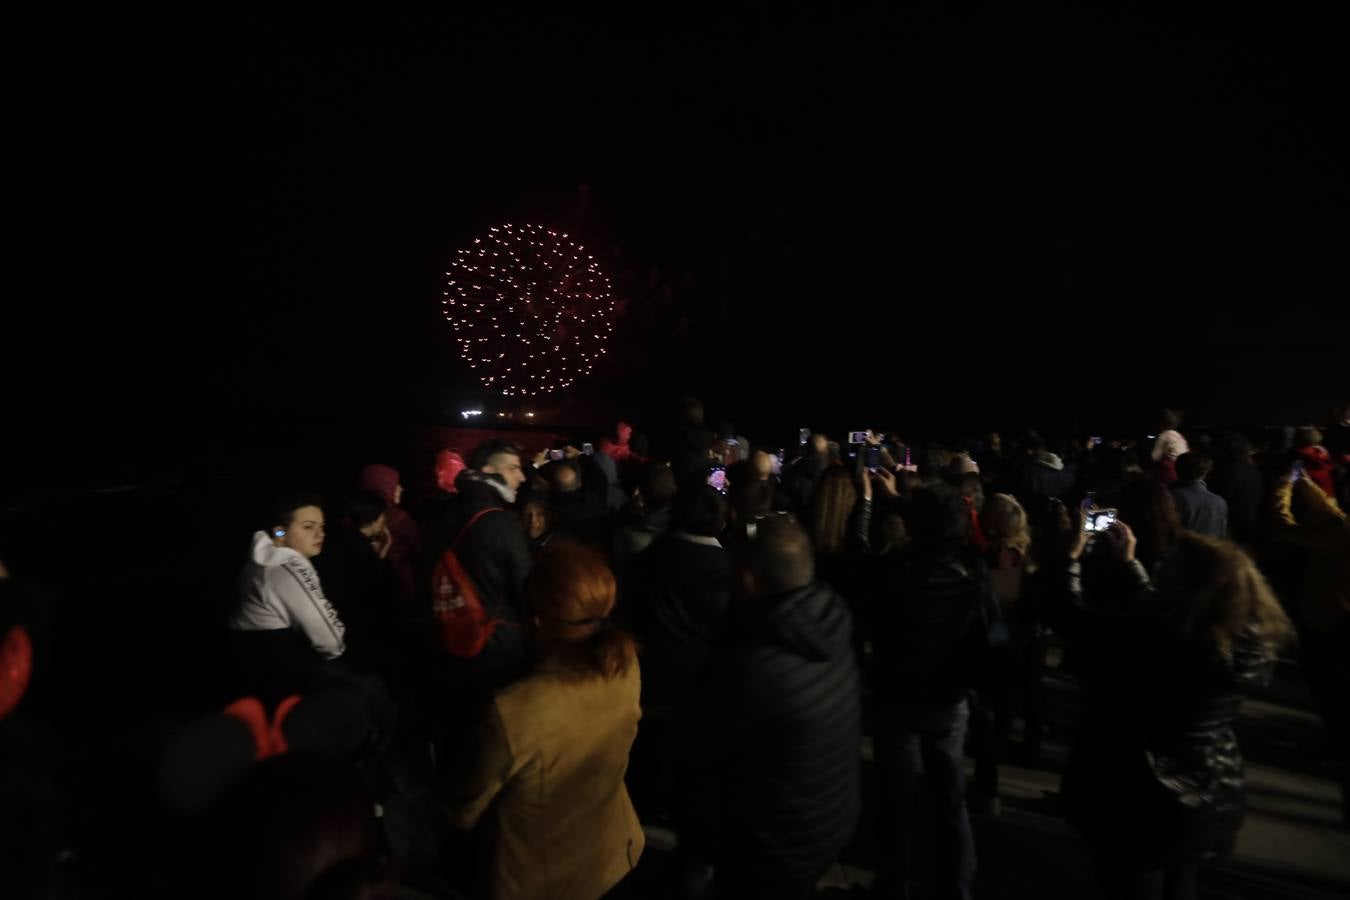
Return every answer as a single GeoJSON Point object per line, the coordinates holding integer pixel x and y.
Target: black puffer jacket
{"type": "Point", "coordinates": [770, 742]}
{"type": "Point", "coordinates": [496, 555]}
{"type": "Point", "coordinates": [1156, 773]}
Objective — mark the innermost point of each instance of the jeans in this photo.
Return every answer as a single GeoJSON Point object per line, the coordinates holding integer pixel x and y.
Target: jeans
{"type": "Point", "coordinates": [1014, 670]}
{"type": "Point", "coordinates": [902, 737]}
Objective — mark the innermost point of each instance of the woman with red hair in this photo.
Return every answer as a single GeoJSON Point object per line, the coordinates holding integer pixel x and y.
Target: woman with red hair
{"type": "Point", "coordinates": [553, 748]}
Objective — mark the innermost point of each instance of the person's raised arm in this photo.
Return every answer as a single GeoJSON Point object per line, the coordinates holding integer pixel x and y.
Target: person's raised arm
{"type": "Point", "coordinates": [862, 519]}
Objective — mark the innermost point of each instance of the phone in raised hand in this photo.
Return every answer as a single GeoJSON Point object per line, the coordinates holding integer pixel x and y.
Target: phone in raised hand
{"type": "Point", "coordinates": [1098, 520]}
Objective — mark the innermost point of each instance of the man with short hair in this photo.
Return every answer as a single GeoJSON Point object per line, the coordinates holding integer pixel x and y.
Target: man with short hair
{"type": "Point", "coordinates": [769, 747]}
{"type": "Point", "coordinates": [1240, 483]}
{"type": "Point", "coordinates": [1201, 510]}
{"type": "Point", "coordinates": [494, 552]}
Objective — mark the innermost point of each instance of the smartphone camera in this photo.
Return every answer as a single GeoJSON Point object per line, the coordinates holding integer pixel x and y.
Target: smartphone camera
{"type": "Point", "coordinates": [587, 449]}
{"type": "Point", "coordinates": [858, 437]}
{"type": "Point", "coordinates": [1099, 520]}
{"type": "Point", "coordinates": [717, 479]}
{"type": "Point", "coordinates": [556, 455]}
{"type": "Point", "coordinates": [804, 436]}
{"type": "Point", "coordinates": [872, 458]}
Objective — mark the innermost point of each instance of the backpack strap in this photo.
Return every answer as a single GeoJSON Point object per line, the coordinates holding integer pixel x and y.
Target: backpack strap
{"type": "Point", "coordinates": [473, 521]}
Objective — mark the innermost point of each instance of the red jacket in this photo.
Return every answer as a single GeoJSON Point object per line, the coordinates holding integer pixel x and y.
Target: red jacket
{"type": "Point", "coordinates": [1318, 466]}
{"type": "Point", "coordinates": [619, 451]}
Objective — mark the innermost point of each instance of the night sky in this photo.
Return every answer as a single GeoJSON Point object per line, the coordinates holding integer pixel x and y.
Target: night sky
{"type": "Point", "coordinates": [954, 213]}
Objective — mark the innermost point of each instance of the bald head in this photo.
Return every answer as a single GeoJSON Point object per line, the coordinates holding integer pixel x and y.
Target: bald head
{"type": "Point", "coordinates": [761, 463]}
{"type": "Point", "coordinates": [780, 557]}
{"type": "Point", "coordinates": [566, 480]}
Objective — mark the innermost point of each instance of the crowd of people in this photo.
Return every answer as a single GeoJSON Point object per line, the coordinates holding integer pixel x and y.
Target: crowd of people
{"type": "Point", "coordinates": [490, 691]}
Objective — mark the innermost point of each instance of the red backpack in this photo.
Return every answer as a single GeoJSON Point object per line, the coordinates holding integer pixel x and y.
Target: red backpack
{"type": "Point", "coordinates": [464, 625]}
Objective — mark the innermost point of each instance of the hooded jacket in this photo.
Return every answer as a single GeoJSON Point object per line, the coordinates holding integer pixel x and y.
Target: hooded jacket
{"type": "Point", "coordinates": [405, 548]}
{"type": "Point", "coordinates": [448, 466]}
{"type": "Point", "coordinates": [280, 590]}
{"type": "Point", "coordinates": [496, 555]}
{"type": "Point", "coordinates": [1047, 476]}
{"type": "Point", "coordinates": [770, 740]}
{"type": "Point", "coordinates": [1320, 467]}
{"type": "Point", "coordinates": [619, 450]}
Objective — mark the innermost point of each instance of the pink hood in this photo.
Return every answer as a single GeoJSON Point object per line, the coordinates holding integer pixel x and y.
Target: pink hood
{"type": "Point", "coordinates": [448, 466]}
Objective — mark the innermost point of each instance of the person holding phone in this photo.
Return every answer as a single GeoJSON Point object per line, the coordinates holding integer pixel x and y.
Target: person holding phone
{"type": "Point", "coordinates": [873, 455]}
{"type": "Point", "coordinates": [1154, 779]}
{"type": "Point", "coordinates": [801, 479]}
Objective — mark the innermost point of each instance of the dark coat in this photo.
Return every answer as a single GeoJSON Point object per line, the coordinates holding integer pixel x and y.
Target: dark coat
{"type": "Point", "coordinates": [496, 555]}
{"type": "Point", "coordinates": [633, 537]}
{"type": "Point", "coordinates": [688, 452]}
{"type": "Point", "coordinates": [769, 744]}
{"type": "Point", "coordinates": [930, 627]}
{"type": "Point", "coordinates": [363, 588]}
{"type": "Point", "coordinates": [1241, 484]}
{"type": "Point", "coordinates": [1040, 478]}
{"type": "Point", "coordinates": [675, 598]}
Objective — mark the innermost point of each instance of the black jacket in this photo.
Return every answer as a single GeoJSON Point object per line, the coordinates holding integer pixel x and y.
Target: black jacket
{"type": "Point", "coordinates": [800, 480]}
{"type": "Point", "coordinates": [637, 535]}
{"type": "Point", "coordinates": [688, 453]}
{"type": "Point", "coordinates": [1040, 478]}
{"type": "Point", "coordinates": [496, 555]}
{"type": "Point", "coordinates": [1155, 774]}
{"type": "Point", "coordinates": [1241, 484]}
{"type": "Point", "coordinates": [930, 627]}
{"type": "Point", "coordinates": [770, 742]}
{"type": "Point", "coordinates": [361, 586]}
{"type": "Point", "coordinates": [675, 598]}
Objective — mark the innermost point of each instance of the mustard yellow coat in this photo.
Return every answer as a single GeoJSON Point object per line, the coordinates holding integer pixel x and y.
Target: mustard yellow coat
{"type": "Point", "coordinates": [552, 753]}
{"type": "Point", "coordinates": [1325, 531]}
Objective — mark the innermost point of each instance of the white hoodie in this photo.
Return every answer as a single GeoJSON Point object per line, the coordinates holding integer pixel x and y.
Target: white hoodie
{"type": "Point", "coordinates": [280, 589]}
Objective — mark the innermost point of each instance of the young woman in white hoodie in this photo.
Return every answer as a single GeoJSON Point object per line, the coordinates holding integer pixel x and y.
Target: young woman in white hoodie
{"type": "Point", "coordinates": [285, 626]}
